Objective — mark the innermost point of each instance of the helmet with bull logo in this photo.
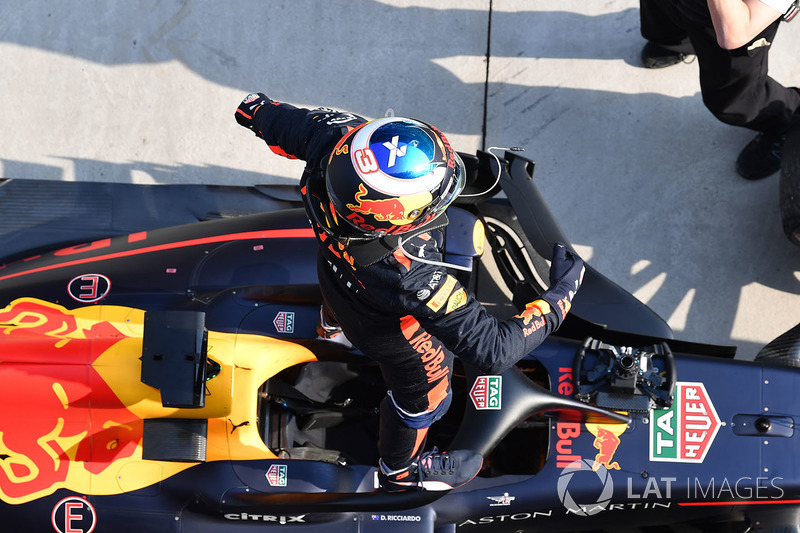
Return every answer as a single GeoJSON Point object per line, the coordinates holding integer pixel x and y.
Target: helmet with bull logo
{"type": "Point", "coordinates": [388, 176]}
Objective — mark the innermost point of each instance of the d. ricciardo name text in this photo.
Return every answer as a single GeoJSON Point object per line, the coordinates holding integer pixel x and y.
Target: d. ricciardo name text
{"type": "Point", "coordinates": [397, 517]}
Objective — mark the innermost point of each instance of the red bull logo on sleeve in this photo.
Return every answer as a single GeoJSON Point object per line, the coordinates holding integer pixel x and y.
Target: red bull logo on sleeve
{"type": "Point", "coordinates": [533, 316]}
{"type": "Point", "coordinates": [533, 310]}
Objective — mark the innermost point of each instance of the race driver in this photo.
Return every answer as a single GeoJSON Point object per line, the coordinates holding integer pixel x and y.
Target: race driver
{"type": "Point", "coordinates": [376, 194]}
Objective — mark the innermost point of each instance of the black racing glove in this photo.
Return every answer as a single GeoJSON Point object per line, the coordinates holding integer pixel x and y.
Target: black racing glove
{"type": "Point", "coordinates": [248, 108]}
{"type": "Point", "coordinates": [566, 276]}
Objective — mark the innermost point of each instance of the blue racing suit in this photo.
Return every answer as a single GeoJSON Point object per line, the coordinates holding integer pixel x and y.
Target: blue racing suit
{"type": "Point", "coordinates": [410, 317]}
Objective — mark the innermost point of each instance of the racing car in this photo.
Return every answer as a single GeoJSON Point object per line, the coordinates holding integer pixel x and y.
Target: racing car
{"type": "Point", "coordinates": [161, 371]}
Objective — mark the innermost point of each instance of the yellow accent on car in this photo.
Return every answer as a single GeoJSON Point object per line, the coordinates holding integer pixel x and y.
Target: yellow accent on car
{"type": "Point", "coordinates": [479, 237]}
{"type": "Point", "coordinates": [90, 397]}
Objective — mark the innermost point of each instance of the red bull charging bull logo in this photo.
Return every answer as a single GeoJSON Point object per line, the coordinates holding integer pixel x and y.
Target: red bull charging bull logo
{"type": "Point", "coordinates": [72, 406]}
{"type": "Point", "coordinates": [60, 423]}
{"type": "Point", "coordinates": [606, 440]}
{"type": "Point", "coordinates": [398, 211]}
{"type": "Point", "coordinates": [533, 316]}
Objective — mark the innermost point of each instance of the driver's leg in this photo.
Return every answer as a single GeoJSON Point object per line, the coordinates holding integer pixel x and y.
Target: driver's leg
{"type": "Point", "coordinates": [418, 375]}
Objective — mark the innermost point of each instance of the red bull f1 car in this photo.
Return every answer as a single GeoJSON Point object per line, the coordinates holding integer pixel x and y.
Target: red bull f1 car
{"type": "Point", "coordinates": [161, 371]}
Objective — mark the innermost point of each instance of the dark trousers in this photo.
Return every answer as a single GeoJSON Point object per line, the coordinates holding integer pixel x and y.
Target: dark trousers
{"type": "Point", "coordinates": [734, 83]}
{"type": "Point", "coordinates": [416, 367]}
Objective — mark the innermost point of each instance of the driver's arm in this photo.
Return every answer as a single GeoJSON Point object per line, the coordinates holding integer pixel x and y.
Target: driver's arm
{"type": "Point", "coordinates": [466, 328]}
{"type": "Point", "coordinates": [293, 132]}
{"type": "Point", "coordinates": [737, 22]}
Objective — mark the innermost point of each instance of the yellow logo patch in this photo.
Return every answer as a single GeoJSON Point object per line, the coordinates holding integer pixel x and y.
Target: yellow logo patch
{"type": "Point", "coordinates": [441, 296]}
{"type": "Point", "coordinates": [457, 299]}
{"type": "Point", "coordinates": [479, 237]}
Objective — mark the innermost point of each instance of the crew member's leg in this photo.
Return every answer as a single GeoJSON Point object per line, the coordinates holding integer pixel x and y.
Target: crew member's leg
{"type": "Point", "coordinates": [667, 39]}
{"type": "Point", "coordinates": [737, 89]}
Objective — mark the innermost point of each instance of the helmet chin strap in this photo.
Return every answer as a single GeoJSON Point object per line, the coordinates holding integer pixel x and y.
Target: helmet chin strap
{"type": "Point", "coordinates": [428, 261]}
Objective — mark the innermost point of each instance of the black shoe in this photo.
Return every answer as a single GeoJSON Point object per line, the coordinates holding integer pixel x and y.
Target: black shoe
{"type": "Point", "coordinates": [434, 471]}
{"type": "Point", "coordinates": [761, 157]}
{"type": "Point", "coordinates": [656, 56]}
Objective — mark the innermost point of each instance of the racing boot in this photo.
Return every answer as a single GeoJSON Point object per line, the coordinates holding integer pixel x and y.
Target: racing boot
{"type": "Point", "coordinates": [433, 470]}
{"type": "Point", "coordinates": [330, 331]}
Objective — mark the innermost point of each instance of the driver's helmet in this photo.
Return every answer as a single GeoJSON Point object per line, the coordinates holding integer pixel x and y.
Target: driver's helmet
{"type": "Point", "coordinates": [389, 177]}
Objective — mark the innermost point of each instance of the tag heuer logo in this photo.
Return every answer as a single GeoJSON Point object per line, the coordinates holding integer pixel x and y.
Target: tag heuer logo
{"type": "Point", "coordinates": [284, 322]}
{"type": "Point", "coordinates": [486, 392]}
{"type": "Point", "coordinates": [276, 475]}
{"type": "Point", "coordinates": [684, 432]}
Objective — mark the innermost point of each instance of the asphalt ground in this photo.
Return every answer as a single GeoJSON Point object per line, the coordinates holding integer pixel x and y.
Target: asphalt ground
{"type": "Point", "coordinates": [639, 174]}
